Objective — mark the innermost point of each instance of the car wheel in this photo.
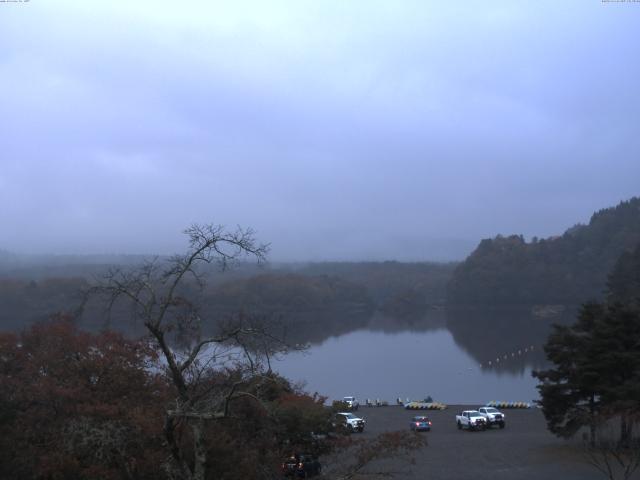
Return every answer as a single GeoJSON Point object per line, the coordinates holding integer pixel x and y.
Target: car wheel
{"type": "Point", "coordinates": [501, 424]}
{"type": "Point", "coordinates": [459, 426]}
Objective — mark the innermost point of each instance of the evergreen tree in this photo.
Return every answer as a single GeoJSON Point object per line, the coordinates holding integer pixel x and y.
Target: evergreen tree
{"type": "Point", "coordinates": [616, 356]}
{"type": "Point", "coordinates": [596, 362]}
{"type": "Point", "coordinates": [569, 390]}
{"type": "Point", "coordinates": [624, 281]}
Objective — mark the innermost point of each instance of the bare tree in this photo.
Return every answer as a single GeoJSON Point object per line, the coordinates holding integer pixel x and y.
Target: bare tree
{"type": "Point", "coordinates": [613, 460]}
{"type": "Point", "coordinates": [379, 457]}
{"type": "Point", "coordinates": [163, 295]}
{"type": "Point", "coordinates": [616, 452]}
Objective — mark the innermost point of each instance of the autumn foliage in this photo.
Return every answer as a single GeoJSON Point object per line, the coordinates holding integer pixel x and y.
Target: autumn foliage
{"type": "Point", "coordinates": [78, 405]}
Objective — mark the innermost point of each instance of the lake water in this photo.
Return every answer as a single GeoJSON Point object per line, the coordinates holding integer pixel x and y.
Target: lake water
{"type": "Point", "coordinates": [407, 364]}
{"type": "Point", "coordinates": [470, 362]}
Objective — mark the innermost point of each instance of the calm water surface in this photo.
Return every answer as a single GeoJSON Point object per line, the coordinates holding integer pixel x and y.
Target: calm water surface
{"type": "Point", "coordinates": [414, 364]}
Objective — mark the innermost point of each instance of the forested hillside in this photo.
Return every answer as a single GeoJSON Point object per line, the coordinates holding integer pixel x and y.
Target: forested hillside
{"type": "Point", "coordinates": [568, 269]}
{"type": "Point", "coordinates": [341, 293]}
{"type": "Point", "coordinates": [624, 281]}
{"type": "Point", "coordinates": [280, 293]}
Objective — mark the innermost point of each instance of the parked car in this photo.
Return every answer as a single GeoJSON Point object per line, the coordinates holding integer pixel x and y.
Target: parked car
{"type": "Point", "coordinates": [420, 423]}
{"type": "Point", "coordinates": [351, 402]}
{"type": "Point", "coordinates": [301, 465]}
{"type": "Point", "coordinates": [493, 416]}
{"type": "Point", "coordinates": [471, 419]}
{"type": "Point", "coordinates": [348, 421]}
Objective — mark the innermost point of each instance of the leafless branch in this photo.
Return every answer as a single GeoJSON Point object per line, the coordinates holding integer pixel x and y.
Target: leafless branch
{"type": "Point", "coordinates": [156, 293]}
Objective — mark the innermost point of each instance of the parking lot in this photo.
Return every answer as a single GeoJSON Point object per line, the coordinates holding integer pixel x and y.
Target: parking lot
{"type": "Point", "coordinates": [523, 450]}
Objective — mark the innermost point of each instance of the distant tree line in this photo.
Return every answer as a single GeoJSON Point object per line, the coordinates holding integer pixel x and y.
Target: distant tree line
{"type": "Point", "coordinates": [289, 292]}
{"type": "Point", "coordinates": [424, 283]}
{"type": "Point", "coordinates": [296, 293]}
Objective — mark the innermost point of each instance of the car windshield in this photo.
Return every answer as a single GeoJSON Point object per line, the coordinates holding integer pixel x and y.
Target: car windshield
{"type": "Point", "coordinates": [348, 399]}
{"type": "Point", "coordinates": [420, 419]}
{"type": "Point", "coordinates": [349, 415]}
{"type": "Point", "coordinates": [491, 410]}
{"type": "Point", "coordinates": [474, 414]}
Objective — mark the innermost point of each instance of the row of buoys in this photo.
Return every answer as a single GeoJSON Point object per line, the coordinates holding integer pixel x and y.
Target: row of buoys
{"type": "Point", "coordinates": [496, 404]}
{"type": "Point", "coordinates": [507, 356]}
{"type": "Point", "coordinates": [425, 406]}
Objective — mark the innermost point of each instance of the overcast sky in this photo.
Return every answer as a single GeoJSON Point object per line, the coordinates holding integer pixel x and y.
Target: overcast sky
{"type": "Point", "coordinates": [338, 129]}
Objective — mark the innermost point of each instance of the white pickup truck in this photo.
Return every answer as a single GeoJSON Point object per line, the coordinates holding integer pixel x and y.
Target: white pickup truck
{"type": "Point", "coordinates": [349, 421]}
{"type": "Point", "coordinates": [351, 402]}
{"type": "Point", "coordinates": [493, 416]}
{"type": "Point", "coordinates": [471, 419]}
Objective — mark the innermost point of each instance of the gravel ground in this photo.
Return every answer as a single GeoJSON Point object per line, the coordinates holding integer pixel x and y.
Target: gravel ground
{"type": "Point", "coordinates": [524, 450]}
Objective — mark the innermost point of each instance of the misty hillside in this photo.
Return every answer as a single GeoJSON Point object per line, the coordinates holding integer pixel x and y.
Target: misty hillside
{"type": "Point", "coordinates": [388, 282]}
{"type": "Point", "coordinates": [33, 288]}
{"type": "Point", "coordinates": [568, 269]}
{"type": "Point", "coordinates": [279, 293]}
{"type": "Point", "coordinates": [624, 282]}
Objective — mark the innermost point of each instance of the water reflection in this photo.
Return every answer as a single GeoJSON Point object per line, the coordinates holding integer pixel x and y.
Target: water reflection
{"type": "Point", "coordinates": [456, 356]}
{"type": "Point", "coordinates": [502, 340]}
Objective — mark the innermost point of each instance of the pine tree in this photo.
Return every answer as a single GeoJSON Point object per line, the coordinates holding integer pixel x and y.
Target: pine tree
{"type": "Point", "coordinates": [595, 375]}
{"type": "Point", "coordinates": [569, 390]}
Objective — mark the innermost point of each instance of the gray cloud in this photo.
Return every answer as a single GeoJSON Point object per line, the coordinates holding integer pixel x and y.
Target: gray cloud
{"type": "Point", "coordinates": [339, 130]}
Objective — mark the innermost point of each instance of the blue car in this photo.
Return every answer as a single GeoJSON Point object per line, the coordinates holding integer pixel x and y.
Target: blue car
{"type": "Point", "coordinates": [420, 423]}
